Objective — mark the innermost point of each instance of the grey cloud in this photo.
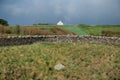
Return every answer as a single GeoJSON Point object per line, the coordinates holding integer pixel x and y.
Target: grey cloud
{"type": "Point", "coordinates": [70, 11]}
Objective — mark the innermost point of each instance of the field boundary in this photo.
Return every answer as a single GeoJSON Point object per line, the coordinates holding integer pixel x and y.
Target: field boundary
{"type": "Point", "coordinates": [23, 40]}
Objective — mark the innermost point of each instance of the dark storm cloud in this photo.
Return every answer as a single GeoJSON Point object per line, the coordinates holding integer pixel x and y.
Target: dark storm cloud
{"type": "Point", "coordinates": [70, 11]}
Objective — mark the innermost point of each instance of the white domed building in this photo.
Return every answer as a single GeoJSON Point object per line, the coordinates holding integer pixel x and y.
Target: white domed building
{"type": "Point", "coordinates": [60, 23]}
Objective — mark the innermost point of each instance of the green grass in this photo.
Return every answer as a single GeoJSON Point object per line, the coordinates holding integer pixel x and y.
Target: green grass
{"type": "Point", "coordinates": [82, 61]}
{"type": "Point", "coordinates": [72, 28]}
{"type": "Point", "coordinates": [96, 30]}
{"type": "Point", "coordinates": [76, 29]}
{"type": "Point", "coordinates": [84, 30]}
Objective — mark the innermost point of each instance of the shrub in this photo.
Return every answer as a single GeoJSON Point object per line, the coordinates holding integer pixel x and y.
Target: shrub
{"type": "Point", "coordinates": [1, 29]}
{"type": "Point", "coordinates": [17, 29]}
{"type": "Point", "coordinates": [3, 22]}
{"type": "Point", "coordinates": [6, 30]}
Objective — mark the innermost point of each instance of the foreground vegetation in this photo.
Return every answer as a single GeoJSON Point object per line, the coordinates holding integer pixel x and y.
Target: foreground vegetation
{"type": "Point", "coordinates": [82, 61]}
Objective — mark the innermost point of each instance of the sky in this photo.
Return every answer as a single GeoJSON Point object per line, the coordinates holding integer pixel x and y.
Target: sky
{"type": "Point", "coordinates": [28, 12]}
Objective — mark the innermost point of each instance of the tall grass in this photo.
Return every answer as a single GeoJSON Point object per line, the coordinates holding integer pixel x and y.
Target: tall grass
{"type": "Point", "coordinates": [82, 61]}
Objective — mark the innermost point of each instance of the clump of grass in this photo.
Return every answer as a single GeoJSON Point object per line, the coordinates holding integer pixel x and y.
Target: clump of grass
{"type": "Point", "coordinates": [82, 61]}
{"type": "Point", "coordinates": [114, 74]}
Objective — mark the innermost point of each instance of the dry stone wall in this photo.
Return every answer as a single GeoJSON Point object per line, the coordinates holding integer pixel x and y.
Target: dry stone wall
{"type": "Point", "coordinates": [23, 40]}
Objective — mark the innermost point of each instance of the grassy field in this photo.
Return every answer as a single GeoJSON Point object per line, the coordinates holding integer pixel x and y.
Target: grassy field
{"type": "Point", "coordinates": [96, 30]}
{"type": "Point", "coordinates": [82, 61]}
{"type": "Point", "coordinates": [72, 28]}
{"type": "Point", "coordinates": [99, 30]}
{"type": "Point", "coordinates": [75, 28]}
{"type": "Point", "coordinates": [85, 30]}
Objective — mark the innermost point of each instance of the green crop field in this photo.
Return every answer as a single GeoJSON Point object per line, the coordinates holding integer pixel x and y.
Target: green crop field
{"type": "Point", "coordinates": [82, 61]}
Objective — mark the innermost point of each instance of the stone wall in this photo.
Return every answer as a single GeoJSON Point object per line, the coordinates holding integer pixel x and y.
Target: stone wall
{"type": "Point", "coordinates": [22, 40]}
